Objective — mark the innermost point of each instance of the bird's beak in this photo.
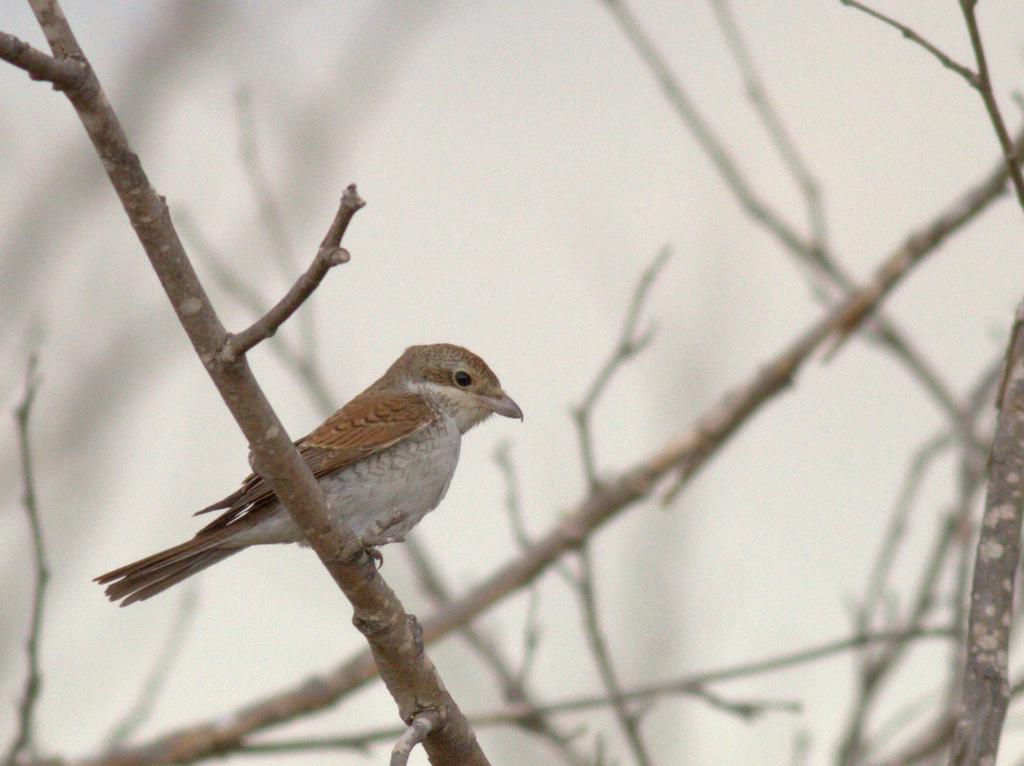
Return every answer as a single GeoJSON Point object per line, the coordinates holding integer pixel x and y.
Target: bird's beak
{"type": "Point", "coordinates": [502, 405]}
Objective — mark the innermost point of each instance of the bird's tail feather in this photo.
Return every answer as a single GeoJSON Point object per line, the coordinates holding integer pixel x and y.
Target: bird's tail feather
{"type": "Point", "coordinates": [154, 574]}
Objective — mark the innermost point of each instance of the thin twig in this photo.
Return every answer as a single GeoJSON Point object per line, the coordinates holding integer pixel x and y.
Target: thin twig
{"type": "Point", "coordinates": [687, 452]}
{"type": "Point", "coordinates": [946, 60]}
{"type": "Point", "coordinates": [330, 254]}
{"type": "Point", "coordinates": [920, 462]}
{"type": "Point", "coordinates": [418, 730]}
{"type": "Point", "coordinates": [628, 721]}
{"type": "Point", "coordinates": [513, 503]}
{"type": "Point", "coordinates": [33, 677]}
{"type": "Point", "coordinates": [809, 251]}
{"type": "Point", "coordinates": [631, 342]}
{"type": "Point", "coordinates": [989, 97]}
{"type": "Point", "coordinates": [876, 668]}
{"type": "Point", "coordinates": [774, 125]}
{"type": "Point", "coordinates": [305, 367]}
{"type": "Point", "coordinates": [693, 685]}
{"type": "Point", "coordinates": [271, 216]}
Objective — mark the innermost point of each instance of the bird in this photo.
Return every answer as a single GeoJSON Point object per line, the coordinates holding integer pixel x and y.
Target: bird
{"type": "Point", "coordinates": [384, 460]}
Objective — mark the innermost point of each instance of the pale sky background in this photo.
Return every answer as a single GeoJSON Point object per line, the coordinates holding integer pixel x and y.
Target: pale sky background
{"type": "Point", "coordinates": [521, 168]}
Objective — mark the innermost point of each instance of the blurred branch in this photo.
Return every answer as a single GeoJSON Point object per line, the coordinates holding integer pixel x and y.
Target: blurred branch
{"type": "Point", "coordinates": [943, 58]}
{"type": "Point", "coordinates": [630, 344]}
{"type": "Point", "coordinates": [330, 254]}
{"type": "Point", "coordinates": [774, 125]}
{"type": "Point", "coordinates": [692, 685]}
{"type": "Point", "coordinates": [409, 675]}
{"type": "Point", "coordinates": [262, 190]}
{"type": "Point", "coordinates": [628, 720]}
{"type": "Point", "coordinates": [920, 462]}
{"type": "Point", "coordinates": [810, 251]}
{"type": "Point", "coordinates": [756, 207]}
{"type": "Point", "coordinates": [33, 678]}
{"type": "Point", "coordinates": [878, 665]}
{"type": "Point", "coordinates": [985, 691]}
{"type": "Point", "coordinates": [1010, 154]}
{"type": "Point", "coordinates": [270, 214]}
{"type": "Point", "coordinates": [158, 674]}
{"type": "Point", "coordinates": [685, 454]}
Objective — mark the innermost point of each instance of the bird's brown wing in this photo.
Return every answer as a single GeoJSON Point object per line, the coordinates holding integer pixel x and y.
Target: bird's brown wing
{"type": "Point", "coordinates": [366, 425]}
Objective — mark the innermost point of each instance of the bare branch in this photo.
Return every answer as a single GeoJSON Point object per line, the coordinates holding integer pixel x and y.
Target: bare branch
{"type": "Point", "coordinates": [686, 453]}
{"type": "Point", "coordinates": [756, 207]}
{"type": "Point", "coordinates": [628, 721]}
{"type": "Point", "coordinates": [894, 532]}
{"type": "Point", "coordinates": [978, 80]}
{"type": "Point", "coordinates": [273, 221]}
{"type": "Point", "coordinates": [773, 123]}
{"type": "Point", "coordinates": [630, 344]}
{"type": "Point", "coordinates": [513, 685]}
{"type": "Point", "coordinates": [410, 676]}
{"type": "Point", "coordinates": [809, 252]}
{"type": "Point", "coordinates": [991, 105]}
{"type": "Point", "coordinates": [33, 677]}
{"type": "Point", "coordinates": [419, 729]}
{"type": "Point", "coordinates": [693, 685]}
{"type": "Point", "coordinates": [985, 692]}
{"type": "Point", "coordinates": [304, 366]}
{"type": "Point", "coordinates": [329, 255]}
{"type": "Point", "coordinates": [64, 73]}
{"type": "Point", "coordinates": [947, 61]}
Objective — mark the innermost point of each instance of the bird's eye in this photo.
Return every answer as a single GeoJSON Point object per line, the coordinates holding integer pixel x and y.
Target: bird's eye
{"type": "Point", "coordinates": [462, 379]}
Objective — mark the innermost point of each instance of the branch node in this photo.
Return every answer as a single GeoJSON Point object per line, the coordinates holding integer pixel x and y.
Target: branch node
{"type": "Point", "coordinates": [420, 727]}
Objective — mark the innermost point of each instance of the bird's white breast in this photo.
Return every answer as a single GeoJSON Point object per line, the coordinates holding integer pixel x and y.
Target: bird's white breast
{"type": "Point", "coordinates": [383, 496]}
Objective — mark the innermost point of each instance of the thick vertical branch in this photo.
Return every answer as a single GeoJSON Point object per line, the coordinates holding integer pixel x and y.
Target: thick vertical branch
{"type": "Point", "coordinates": [985, 694]}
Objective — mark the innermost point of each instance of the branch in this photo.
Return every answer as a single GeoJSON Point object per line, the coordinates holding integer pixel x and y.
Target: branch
{"type": "Point", "coordinates": [65, 74]}
{"type": "Point", "coordinates": [978, 80]}
{"type": "Point", "coordinates": [300, 361]}
{"type": "Point", "coordinates": [947, 61]}
{"type": "Point", "coordinates": [991, 105]}
{"type": "Point", "coordinates": [418, 730]}
{"type": "Point", "coordinates": [773, 123]}
{"type": "Point", "coordinates": [330, 254]}
{"type": "Point", "coordinates": [628, 720]}
{"type": "Point", "coordinates": [408, 673]}
{"type": "Point", "coordinates": [759, 209]}
{"type": "Point", "coordinates": [630, 343]}
{"type": "Point", "coordinates": [686, 453]}
{"type": "Point", "coordinates": [985, 692]}
{"type": "Point", "coordinates": [33, 678]}
{"type": "Point", "coordinates": [692, 685]}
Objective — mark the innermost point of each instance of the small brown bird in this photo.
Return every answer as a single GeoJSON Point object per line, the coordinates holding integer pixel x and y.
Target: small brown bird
{"type": "Point", "coordinates": [383, 460]}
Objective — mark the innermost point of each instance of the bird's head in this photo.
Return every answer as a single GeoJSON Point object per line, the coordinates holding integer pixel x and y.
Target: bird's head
{"type": "Point", "coordinates": [456, 379]}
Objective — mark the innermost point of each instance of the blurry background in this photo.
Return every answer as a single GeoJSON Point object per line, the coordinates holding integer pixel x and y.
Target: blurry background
{"type": "Point", "coordinates": [521, 168]}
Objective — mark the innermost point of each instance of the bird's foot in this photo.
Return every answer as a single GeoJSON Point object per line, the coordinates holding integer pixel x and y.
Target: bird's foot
{"type": "Point", "coordinates": [375, 555]}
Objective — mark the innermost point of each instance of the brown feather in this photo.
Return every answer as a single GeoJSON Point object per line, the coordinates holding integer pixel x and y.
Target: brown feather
{"type": "Point", "coordinates": [371, 422]}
